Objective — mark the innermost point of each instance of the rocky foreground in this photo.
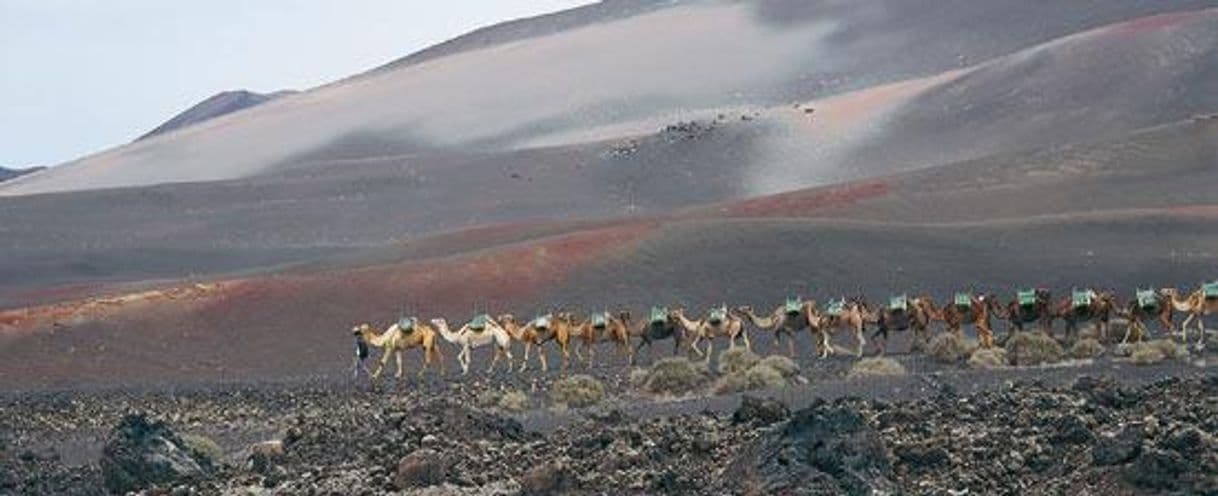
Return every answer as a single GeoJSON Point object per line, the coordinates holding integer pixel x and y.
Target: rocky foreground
{"type": "Point", "coordinates": [1094, 436]}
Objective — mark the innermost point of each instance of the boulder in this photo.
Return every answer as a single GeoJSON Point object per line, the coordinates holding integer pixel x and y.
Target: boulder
{"type": "Point", "coordinates": [824, 449]}
{"type": "Point", "coordinates": [760, 411]}
{"type": "Point", "coordinates": [140, 453]}
{"type": "Point", "coordinates": [421, 468]}
{"type": "Point", "coordinates": [265, 456]}
{"type": "Point", "coordinates": [1118, 447]}
{"type": "Point", "coordinates": [548, 478]}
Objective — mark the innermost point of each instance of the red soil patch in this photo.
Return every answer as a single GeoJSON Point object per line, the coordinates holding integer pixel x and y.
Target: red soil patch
{"type": "Point", "coordinates": [1155, 22]}
{"type": "Point", "coordinates": [56, 314]}
{"type": "Point", "coordinates": [804, 202]}
{"type": "Point", "coordinates": [1196, 210]}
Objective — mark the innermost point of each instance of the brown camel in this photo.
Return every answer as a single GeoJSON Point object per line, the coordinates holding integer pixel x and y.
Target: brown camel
{"type": "Point", "coordinates": [969, 309]}
{"type": "Point", "coordinates": [539, 331]}
{"type": "Point", "coordinates": [787, 320]}
{"type": "Point", "coordinates": [1032, 305]}
{"type": "Point", "coordinates": [1086, 305]}
{"type": "Point", "coordinates": [1147, 304]}
{"type": "Point", "coordinates": [902, 314]}
{"type": "Point", "coordinates": [718, 322]}
{"type": "Point", "coordinates": [603, 325]}
{"type": "Point", "coordinates": [847, 315]}
{"type": "Point", "coordinates": [658, 326]}
{"type": "Point", "coordinates": [1198, 305]}
{"type": "Point", "coordinates": [401, 336]}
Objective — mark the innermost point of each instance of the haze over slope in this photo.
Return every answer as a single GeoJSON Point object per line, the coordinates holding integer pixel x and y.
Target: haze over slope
{"type": "Point", "coordinates": [601, 73]}
{"type": "Point", "coordinates": [215, 106]}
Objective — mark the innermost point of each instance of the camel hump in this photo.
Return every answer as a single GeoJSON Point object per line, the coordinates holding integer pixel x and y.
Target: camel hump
{"type": "Point", "coordinates": [407, 324]}
{"type": "Point", "coordinates": [1210, 290]}
{"type": "Point", "coordinates": [479, 322]}
{"type": "Point", "coordinates": [964, 299]}
{"type": "Point", "coordinates": [600, 319]}
{"type": "Point", "coordinates": [718, 314]}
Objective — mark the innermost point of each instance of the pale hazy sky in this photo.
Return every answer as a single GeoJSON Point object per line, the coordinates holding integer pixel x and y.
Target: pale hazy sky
{"type": "Point", "coordinates": [79, 76]}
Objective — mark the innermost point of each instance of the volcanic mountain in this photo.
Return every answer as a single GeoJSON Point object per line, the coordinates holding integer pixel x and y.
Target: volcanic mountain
{"type": "Point", "coordinates": [628, 153]}
{"type": "Point", "coordinates": [215, 106]}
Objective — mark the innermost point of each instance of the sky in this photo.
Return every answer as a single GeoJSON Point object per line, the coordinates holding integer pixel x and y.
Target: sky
{"type": "Point", "coordinates": [80, 76]}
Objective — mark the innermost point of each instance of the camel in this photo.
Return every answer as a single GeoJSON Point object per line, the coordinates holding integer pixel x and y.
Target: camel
{"type": "Point", "coordinates": [969, 309]}
{"type": "Point", "coordinates": [602, 324]}
{"type": "Point", "coordinates": [902, 314]}
{"type": "Point", "coordinates": [555, 327]}
{"type": "Point", "coordinates": [846, 314]}
{"type": "Point", "coordinates": [401, 336]}
{"type": "Point", "coordinates": [658, 326]}
{"type": "Point", "coordinates": [1147, 304]}
{"type": "Point", "coordinates": [480, 331]}
{"type": "Point", "coordinates": [718, 322]}
{"type": "Point", "coordinates": [1086, 305]}
{"type": "Point", "coordinates": [1032, 305]}
{"type": "Point", "coordinates": [788, 319]}
{"type": "Point", "coordinates": [1198, 305]}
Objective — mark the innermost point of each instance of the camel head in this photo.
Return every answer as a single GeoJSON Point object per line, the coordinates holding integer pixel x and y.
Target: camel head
{"type": "Point", "coordinates": [360, 329]}
{"type": "Point", "coordinates": [506, 319]}
{"type": "Point", "coordinates": [439, 322]}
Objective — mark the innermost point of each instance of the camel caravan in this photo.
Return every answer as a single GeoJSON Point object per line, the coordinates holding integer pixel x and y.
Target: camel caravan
{"type": "Point", "coordinates": [697, 334]}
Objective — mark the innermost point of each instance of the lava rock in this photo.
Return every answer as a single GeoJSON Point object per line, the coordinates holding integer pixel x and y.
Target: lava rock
{"type": "Point", "coordinates": [141, 453]}
{"type": "Point", "coordinates": [1119, 447]}
{"type": "Point", "coordinates": [1189, 441]}
{"type": "Point", "coordinates": [1157, 469]}
{"type": "Point", "coordinates": [1070, 429]}
{"type": "Point", "coordinates": [549, 478]}
{"type": "Point", "coordinates": [265, 456]}
{"type": "Point", "coordinates": [921, 457]}
{"type": "Point", "coordinates": [760, 411]}
{"type": "Point", "coordinates": [421, 468]}
{"type": "Point", "coordinates": [822, 450]}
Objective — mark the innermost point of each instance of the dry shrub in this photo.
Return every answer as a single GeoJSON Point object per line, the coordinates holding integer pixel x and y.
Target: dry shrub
{"type": "Point", "coordinates": [950, 348]}
{"type": "Point", "coordinates": [877, 366]}
{"type": "Point", "coordinates": [674, 376]}
{"type": "Point", "coordinates": [513, 401]}
{"type": "Point", "coordinates": [1146, 355]}
{"type": "Point", "coordinates": [756, 377]}
{"type": "Point", "coordinates": [1086, 348]}
{"type": "Point", "coordinates": [577, 391]}
{"type": "Point", "coordinates": [203, 447]}
{"type": "Point", "coordinates": [988, 359]}
{"type": "Point", "coordinates": [1033, 348]}
{"type": "Point", "coordinates": [785, 366]}
{"type": "Point", "coordinates": [735, 360]}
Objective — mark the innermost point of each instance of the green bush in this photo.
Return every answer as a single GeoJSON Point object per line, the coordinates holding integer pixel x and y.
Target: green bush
{"type": "Point", "coordinates": [988, 359]}
{"type": "Point", "coordinates": [674, 376]}
{"type": "Point", "coordinates": [785, 366]}
{"type": "Point", "coordinates": [734, 360]}
{"type": "Point", "coordinates": [950, 348]}
{"type": "Point", "coordinates": [1086, 348]}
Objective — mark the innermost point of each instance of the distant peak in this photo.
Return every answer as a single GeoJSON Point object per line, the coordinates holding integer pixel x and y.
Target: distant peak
{"type": "Point", "coordinates": [225, 102]}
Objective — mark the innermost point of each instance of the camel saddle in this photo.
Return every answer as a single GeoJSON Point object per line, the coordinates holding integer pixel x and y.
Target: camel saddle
{"type": "Point", "coordinates": [1147, 300]}
{"type": "Point", "coordinates": [1026, 298]}
{"type": "Point", "coordinates": [406, 324]}
{"type": "Point", "coordinates": [836, 308]}
{"type": "Point", "coordinates": [1081, 298]}
{"type": "Point", "coordinates": [1210, 290]}
{"type": "Point", "coordinates": [898, 303]}
{"type": "Point", "coordinates": [479, 322]}
{"type": "Point", "coordinates": [717, 315]}
{"type": "Point", "coordinates": [659, 315]}
{"type": "Point", "coordinates": [543, 321]}
{"type": "Point", "coordinates": [792, 306]}
{"type": "Point", "coordinates": [600, 320]}
{"type": "Point", "coordinates": [964, 300]}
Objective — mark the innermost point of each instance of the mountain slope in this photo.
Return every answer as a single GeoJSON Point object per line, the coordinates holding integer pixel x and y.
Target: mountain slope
{"type": "Point", "coordinates": [619, 74]}
{"type": "Point", "coordinates": [215, 106]}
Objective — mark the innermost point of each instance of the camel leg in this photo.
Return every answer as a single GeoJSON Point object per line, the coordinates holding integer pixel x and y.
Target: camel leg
{"type": "Point", "coordinates": [747, 345]}
{"type": "Point", "coordinates": [791, 345]}
{"type": "Point", "coordinates": [524, 365]}
{"type": "Point", "coordinates": [694, 345]}
{"type": "Point", "coordinates": [710, 347]}
{"type": "Point", "coordinates": [565, 356]}
{"type": "Point", "coordinates": [861, 337]}
{"type": "Point", "coordinates": [507, 353]}
{"type": "Point", "coordinates": [1201, 332]}
{"type": "Point", "coordinates": [1184, 327]}
{"type": "Point", "coordinates": [398, 355]}
{"type": "Point", "coordinates": [464, 359]}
